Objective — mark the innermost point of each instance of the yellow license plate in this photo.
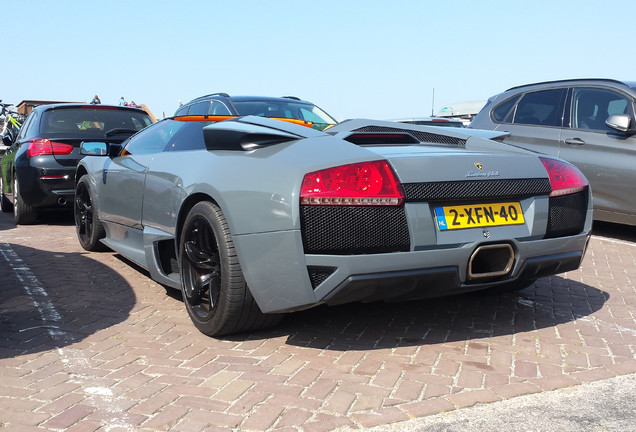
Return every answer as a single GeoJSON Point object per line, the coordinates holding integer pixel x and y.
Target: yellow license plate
{"type": "Point", "coordinates": [478, 215]}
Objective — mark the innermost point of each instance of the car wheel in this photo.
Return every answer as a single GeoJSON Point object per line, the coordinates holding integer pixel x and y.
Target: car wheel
{"type": "Point", "coordinates": [87, 225]}
{"type": "Point", "coordinates": [22, 213]}
{"type": "Point", "coordinates": [5, 205]}
{"type": "Point", "coordinates": [214, 290]}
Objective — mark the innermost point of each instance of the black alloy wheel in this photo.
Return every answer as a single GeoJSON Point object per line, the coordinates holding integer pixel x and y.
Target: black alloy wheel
{"type": "Point", "coordinates": [203, 276]}
{"type": "Point", "coordinates": [22, 213]}
{"type": "Point", "coordinates": [214, 290]}
{"type": "Point", "coordinates": [88, 227]}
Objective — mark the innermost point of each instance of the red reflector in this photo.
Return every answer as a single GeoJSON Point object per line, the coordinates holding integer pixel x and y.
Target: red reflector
{"type": "Point", "coordinates": [564, 178]}
{"type": "Point", "coordinates": [43, 146]}
{"type": "Point", "coordinates": [361, 184]}
{"type": "Point", "coordinates": [102, 107]}
{"type": "Point", "coordinates": [54, 177]}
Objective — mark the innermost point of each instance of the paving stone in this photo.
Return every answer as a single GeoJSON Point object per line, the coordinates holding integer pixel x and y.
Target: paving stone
{"type": "Point", "coordinates": [124, 355]}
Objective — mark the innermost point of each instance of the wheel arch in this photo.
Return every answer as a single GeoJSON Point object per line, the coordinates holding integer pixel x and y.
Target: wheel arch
{"type": "Point", "coordinates": [187, 205]}
{"type": "Point", "coordinates": [81, 170]}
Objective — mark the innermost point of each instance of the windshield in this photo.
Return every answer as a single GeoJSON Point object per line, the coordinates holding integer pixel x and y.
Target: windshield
{"type": "Point", "coordinates": [286, 109]}
{"type": "Point", "coordinates": [85, 122]}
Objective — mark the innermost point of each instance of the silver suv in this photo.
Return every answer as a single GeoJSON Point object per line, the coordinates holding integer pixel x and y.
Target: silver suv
{"type": "Point", "coordinates": [589, 122]}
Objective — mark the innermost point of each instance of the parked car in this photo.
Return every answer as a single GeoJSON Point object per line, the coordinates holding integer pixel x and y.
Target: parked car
{"type": "Point", "coordinates": [252, 217]}
{"type": "Point", "coordinates": [589, 122]}
{"type": "Point", "coordinates": [432, 121]}
{"type": "Point", "coordinates": [38, 169]}
{"type": "Point", "coordinates": [219, 105]}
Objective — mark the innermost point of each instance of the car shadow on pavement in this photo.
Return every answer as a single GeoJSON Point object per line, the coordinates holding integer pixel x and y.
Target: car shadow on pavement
{"type": "Point", "coordinates": [547, 303]}
{"type": "Point", "coordinates": [57, 217]}
{"type": "Point", "coordinates": [615, 231]}
{"type": "Point", "coordinates": [57, 300]}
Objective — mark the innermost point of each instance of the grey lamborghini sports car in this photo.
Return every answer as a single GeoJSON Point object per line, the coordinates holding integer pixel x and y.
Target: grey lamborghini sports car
{"type": "Point", "coordinates": [251, 217]}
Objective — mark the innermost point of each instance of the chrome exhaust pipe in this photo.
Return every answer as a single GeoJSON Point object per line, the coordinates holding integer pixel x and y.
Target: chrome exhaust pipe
{"type": "Point", "coordinates": [491, 261]}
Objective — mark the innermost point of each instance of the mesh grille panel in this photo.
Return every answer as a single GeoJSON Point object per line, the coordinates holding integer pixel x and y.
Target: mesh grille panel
{"type": "Point", "coordinates": [470, 189]}
{"type": "Point", "coordinates": [425, 137]}
{"type": "Point", "coordinates": [354, 230]}
{"type": "Point", "coordinates": [317, 275]}
{"type": "Point", "coordinates": [567, 215]}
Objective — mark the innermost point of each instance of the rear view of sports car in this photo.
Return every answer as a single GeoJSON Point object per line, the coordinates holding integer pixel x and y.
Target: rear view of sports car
{"type": "Point", "coordinates": [252, 217]}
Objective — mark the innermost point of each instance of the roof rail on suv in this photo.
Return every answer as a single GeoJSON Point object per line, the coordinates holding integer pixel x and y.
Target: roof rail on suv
{"type": "Point", "coordinates": [606, 80]}
{"type": "Point", "coordinates": [210, 95]}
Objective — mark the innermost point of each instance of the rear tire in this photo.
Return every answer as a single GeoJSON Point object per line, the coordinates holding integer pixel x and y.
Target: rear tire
{"type": "Point", "coordinates": [88, 227]}
{"type": "Point", "coordinates": [214, 290]}
{"type": "Point", "coordinates": [5, 205]}
{"type": "Point", "coordinates": [22, 213]}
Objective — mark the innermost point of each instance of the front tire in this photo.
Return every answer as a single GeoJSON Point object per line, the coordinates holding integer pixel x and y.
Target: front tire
{"type": "Point", "coordinates": [214, 290]}
{"type": "Point", "coordinates": [87, 225]}
{"type": "Point", "coordinates": [22, 213]}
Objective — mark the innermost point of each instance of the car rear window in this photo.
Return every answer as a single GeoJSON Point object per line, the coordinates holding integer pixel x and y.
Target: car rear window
{"type": "Point", "coordinates": [285, 109]}
{"type": "Point", "coordinates": [85, 122]}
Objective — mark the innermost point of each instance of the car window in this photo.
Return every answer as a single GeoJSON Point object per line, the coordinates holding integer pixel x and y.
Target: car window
{"type": "Point", "coordinates": [540, 108]}
{"type": "Point", "coordinates": [503, 113]}
{"type": "Point", "coordinates": [199, 108]}
{"type": "Point", "coordinates": [218, 108]}
{"type": "Point", "coordinates": [90, 122]}
{"type": "Point", "coordinates": [182, 111]}
{"type": "Point", "coordinates": [285, 109]}
{"type": "Point", "coordinates": [187, 136]}
{"type": "Point", "coordinates": [592, 106]}
{"type": "Point", "coordinates": [25, 127]}
{"type": "Point", "coordinates": [168, 135]}
{"type": "Point", "coordinates": [152, 140]}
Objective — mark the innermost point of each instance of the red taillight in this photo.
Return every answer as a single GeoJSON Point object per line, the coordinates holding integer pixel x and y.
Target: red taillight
{"type": "Point", "coordinates": [43, 146]}
{"type": "Point", "coordinates": [360, 184]}
{"type": "Point", "coordinates": [565, 178]}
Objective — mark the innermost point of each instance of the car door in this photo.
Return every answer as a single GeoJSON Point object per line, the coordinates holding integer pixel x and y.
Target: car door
{"type": "Point", "coordinates": [122, 185]}
{"type": "Point", "coordinates": [165, 189]}
{"type": "Point", "coordinates": [8, 160]}
{"type": "Point", "coordinates": [536, 121]}
{"type": "Point", "coordinates": [606, 157]}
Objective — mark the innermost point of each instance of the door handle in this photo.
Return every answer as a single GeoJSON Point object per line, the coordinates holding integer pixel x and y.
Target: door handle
{"type": "Point", "coordinates": [574, 141]}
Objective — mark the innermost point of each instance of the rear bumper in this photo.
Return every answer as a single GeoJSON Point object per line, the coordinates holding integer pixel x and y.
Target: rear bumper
{"type": "Point", "coordinates": [439, 282]}
{"type": "Point", "coordinates": [282, 278]}
{"type": "Point", "coordinates": [46, 187]}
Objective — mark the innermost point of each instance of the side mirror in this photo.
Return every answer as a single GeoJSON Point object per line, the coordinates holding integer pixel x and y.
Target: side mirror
{"type": "Point", "coordinates": [619, 122]}
{"type": "Point", "coordinates": [94, 149]}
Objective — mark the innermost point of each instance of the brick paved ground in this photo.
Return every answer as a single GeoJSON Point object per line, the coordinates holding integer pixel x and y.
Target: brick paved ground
{"type": "Point", "coordinates": [89, 343]}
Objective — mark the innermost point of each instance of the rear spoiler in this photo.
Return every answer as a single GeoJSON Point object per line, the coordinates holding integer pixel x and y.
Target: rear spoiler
{"type": "Point", "coordinates": [352, 130]}
{"type": "Point", "coordinates": [252, 132]}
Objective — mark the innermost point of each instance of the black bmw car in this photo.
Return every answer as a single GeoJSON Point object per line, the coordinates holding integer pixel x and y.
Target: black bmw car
{"type": "Point", "coordinates": [39, 167]}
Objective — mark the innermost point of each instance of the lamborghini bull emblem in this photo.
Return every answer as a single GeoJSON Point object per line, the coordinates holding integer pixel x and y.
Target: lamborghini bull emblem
{"type": "Point", "coordinates": [479, 166]}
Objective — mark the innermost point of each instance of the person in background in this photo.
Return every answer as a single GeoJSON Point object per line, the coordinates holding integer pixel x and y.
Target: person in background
{"type": "Point", "coordinates": [122, 102]}
{"type": "Point", "coordinates": [96, 101]}
{"type": "Point", "coordinates": [133, 104]}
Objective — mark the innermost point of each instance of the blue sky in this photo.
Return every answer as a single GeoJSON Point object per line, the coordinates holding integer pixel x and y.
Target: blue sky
{"type": "Point", "coordinates": [375, 59]}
